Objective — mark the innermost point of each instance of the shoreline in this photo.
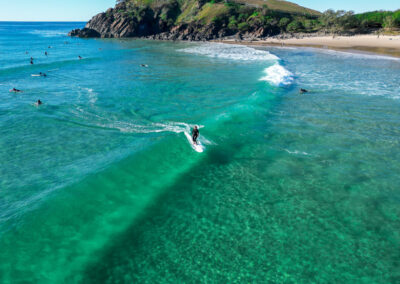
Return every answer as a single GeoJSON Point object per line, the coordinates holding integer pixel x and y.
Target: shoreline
{"type": "Point", "coordinates": [383, 45]}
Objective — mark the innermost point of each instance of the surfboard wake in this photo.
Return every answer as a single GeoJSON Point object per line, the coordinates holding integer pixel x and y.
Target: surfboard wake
{"type": "Point", "coordinates": [140, 127]}
{"type": "Point", "coordinates": [197, 147]}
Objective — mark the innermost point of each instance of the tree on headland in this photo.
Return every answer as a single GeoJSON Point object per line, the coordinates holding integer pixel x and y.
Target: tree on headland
{"type": "Point", "coordinates": [241, 16]}
{"type": "Point", "coordinates": [283, 23]}
{"type": "Point", "coordinates": [388, 22]}
{"type": "Point", "coordinates": [294, 26]}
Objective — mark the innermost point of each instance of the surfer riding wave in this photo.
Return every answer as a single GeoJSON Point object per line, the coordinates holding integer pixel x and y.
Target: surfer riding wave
{"type": "Point", "coordinates": [192, 133]}
{"type": "Point", "coordinates": [195, 134]}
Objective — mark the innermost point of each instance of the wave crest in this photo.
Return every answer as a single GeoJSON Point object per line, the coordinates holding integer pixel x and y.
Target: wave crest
{"type": "Point", "coordinates": [231, 51]}
{"type": "Point", "coordinates": [277, 75]}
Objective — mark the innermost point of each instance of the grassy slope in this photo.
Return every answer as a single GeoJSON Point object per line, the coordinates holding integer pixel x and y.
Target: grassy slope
{"type": "Point", "coordinates": [280, 5]}
{"type": "Point", "coordinates": [189, 10]}
{"type": "Point", "coordinates": [277, 5]}
{"type": "Point", "coordinates": [211, 11]}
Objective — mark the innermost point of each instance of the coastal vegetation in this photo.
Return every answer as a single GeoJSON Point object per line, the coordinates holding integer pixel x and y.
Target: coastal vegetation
{"type": "Point", "coordinates": [210, 19]}
{"type": "Point", "coordinates": [342, 21]}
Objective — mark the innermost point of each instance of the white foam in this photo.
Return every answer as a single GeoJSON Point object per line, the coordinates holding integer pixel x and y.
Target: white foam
{"type": "Point", "coordinates": [359, 55]}
{"type": "Point", "coordinates": [89, 93]}
{"type": "Point", "coordinates": [277, 75]}
{"type": "Point", "coordinates": [175, 127]}
{"type": "Point", "coordinates": [231, 51]}
{"type": "Point", "coordinates": [370, 84]}
{"type": "Point", "coordinates": [350, 54]}
{"type": "Point", "coordinates": [296, 152]}
{"type": "Point", "coordinates": [49, 33]}
{"type": "Point", "coordinates": [130, 127]}
{"type": "Point", "coordinates": [92, 96]}
{"type": "Point", "coordinates": [205, 141]}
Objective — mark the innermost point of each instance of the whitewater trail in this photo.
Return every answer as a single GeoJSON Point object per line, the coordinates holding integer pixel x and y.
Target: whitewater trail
{"type": "Point", "coordinates": [140, 127]}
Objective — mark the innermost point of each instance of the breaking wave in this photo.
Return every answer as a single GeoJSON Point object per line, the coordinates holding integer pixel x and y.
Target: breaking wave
{"type": "Point", "coordinates": [277, 75]}
{"type": "Point", "coordinates": [231, 51]}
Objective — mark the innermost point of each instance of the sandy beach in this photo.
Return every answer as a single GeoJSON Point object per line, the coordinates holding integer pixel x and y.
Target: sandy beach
{"type": "Point", "coordinates": [389, 45]}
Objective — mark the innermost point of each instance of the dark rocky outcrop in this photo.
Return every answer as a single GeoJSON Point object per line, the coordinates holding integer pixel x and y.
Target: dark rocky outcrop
{"type": "Point", "coordinates": [121, 23]}
{"type": "Point", "coordinates": [84, 33]}
{"type": "Point", "coordinates": [161, 23]}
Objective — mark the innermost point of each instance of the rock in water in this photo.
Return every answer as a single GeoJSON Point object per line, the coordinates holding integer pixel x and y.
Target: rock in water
{"type": "Point", "coordinates": [84, 33]}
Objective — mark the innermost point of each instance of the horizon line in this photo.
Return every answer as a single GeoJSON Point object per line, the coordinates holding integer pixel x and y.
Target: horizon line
{"type": "Point", "coordinates": [43, 21]}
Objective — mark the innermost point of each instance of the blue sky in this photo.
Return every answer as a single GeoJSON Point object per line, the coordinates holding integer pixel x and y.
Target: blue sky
{"type": "Point", "coordinates": [83, 10]}
{"type": "Point", "coordinates": [355, 5]}
{"type": "Point", "coordinates": [52, 10]}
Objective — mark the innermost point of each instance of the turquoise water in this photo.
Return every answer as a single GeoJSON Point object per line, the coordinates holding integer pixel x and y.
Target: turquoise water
{"type": "Point", "coordinates": [100, 185]}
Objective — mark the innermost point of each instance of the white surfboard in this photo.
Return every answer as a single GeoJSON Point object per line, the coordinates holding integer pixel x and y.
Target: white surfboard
{"type": "Point", "coordinates": [197, 147]}
{"type": "Point", "coordinates": [35, 75]}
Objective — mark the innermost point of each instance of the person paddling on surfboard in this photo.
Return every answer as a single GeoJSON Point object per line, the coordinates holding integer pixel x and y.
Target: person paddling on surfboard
{"type": "Point", "coordinates": [195, 134]}
{"type": "Point", "coordinates": [14, 90]}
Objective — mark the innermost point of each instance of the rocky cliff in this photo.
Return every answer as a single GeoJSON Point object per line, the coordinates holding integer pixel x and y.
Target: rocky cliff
{"type": "Point", "coordinates": [188, 20]}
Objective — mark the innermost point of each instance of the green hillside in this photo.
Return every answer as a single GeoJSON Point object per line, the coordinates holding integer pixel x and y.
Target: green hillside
{"type": "Point", "coordinates": [280, 5]}
{"type": "Point", "coordinates": [212, 19]}
{"type": "Point", "coordinates": [379, 19]}
{"type": "Point", "coordinates": [238, 15]}
{"type": "Point", "coordinates": [274, 5]}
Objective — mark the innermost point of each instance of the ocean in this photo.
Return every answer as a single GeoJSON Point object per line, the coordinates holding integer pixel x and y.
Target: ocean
{"type": "Point", "coordinates": [99, 184]}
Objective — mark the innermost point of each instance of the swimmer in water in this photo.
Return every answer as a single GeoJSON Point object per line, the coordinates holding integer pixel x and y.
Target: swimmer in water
{"type": "Point", "coordinates": [14, 90]}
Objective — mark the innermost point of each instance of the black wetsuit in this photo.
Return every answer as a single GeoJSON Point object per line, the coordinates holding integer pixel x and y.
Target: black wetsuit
{"type": "Point", "coordinates": [195, 134]}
